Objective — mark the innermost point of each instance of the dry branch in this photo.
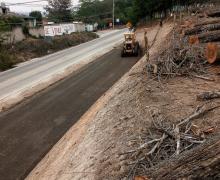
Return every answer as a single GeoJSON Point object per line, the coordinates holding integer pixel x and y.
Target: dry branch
{"type": "Point", "coordinates": [167, 140]}
{"type": "Point", "coordinates": [180, 58]}
{"type": "Point", "coordinates": [202, 162]}
{"type": "Point", "coordinates": [208, 95]}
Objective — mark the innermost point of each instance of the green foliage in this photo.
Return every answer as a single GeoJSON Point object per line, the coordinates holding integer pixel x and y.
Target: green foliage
{"type": "Point", "coordinates": [25, 30]}
{"type": "Point", "coordinates": [101, 11]}
{"type": "Point", "coordinates": [3, 26]}
{"type": "Point", "coordinates": [14, 20]}
{"type": "Point", "coordinates": [126, 10]}
{"type": "Point", "coordinates": [37, 15]}
{"type": "Point", "coordinates": [59, 10]}
{"type": "Point", "coordinates": [6, 60]}
{"type": "Point", "coordinates": [143, 8]}
{"type": "Point", "coordinates": [6, 22]}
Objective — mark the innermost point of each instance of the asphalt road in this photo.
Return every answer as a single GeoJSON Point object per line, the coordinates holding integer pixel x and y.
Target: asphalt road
{"type": "Point", "coordinates": [29, 130]}
{"type": "Point", "coordinates": [29, 74]}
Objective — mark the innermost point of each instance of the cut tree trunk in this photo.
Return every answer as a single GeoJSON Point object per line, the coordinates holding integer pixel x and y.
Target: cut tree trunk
{"type": "Point", "coordinates": [199, 29]}
{"type": "Point", "coordinates": [212, 52]}
{"type": "Point", "coordinates": [202, 162]}
{"type": "Point", "coordinates": [194, 40]}
{"type": "Point", "coordinates": [212, 36]}
{"type": "Point", "coordinates": [207, 22]}
{"type": "Point", "coordinates": [214, 14]}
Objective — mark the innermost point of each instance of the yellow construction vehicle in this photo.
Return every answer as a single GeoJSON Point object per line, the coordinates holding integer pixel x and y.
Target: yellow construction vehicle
{"type": "Point", "coordinates": [130, 45]}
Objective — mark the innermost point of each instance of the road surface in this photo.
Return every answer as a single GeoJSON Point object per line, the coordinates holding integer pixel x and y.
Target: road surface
{"type": "Point", "coordinates": [32, 73]}
{"type": "Point", "coordinates": [29, 130]}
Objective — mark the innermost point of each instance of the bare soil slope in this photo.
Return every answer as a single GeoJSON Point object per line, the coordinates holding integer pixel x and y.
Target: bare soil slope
{"type": "Point", "coordinates": [90, 149]}
{"type": "Point", "coordinates": [93, 148]}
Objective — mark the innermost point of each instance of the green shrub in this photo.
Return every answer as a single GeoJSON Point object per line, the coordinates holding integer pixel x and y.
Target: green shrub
{"type": "Point", "coordinates": [6, 60]}
{"type": "Point", "coordinates": [25, 30]}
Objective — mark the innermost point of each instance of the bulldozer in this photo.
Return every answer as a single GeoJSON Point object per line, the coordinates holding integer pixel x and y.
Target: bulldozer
{"type": "Point", "coordinates": [130, 45]}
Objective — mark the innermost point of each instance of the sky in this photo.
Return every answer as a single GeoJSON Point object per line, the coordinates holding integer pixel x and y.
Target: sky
{"type": "Point", "coordinates": [33, 6]}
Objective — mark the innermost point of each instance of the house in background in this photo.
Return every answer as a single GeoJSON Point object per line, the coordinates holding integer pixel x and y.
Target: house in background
{"type": "Point", "coordinates": [30, 21]}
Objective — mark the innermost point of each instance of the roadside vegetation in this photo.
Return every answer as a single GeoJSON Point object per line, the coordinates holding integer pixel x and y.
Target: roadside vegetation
{"type": "Point", "coordinates": [6, 59]}
{"type": "Point", "coordinates": [32, 48]}
{"type": "Point", "coordinates": [126, 10]}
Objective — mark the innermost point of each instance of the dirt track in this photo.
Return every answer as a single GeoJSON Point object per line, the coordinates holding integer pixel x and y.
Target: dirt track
{"type": "Point", "coordinates": [28, 131]}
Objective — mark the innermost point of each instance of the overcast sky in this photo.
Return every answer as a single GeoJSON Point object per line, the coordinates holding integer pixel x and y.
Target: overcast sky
{"type": "Point", "coordinates": [28, 7]}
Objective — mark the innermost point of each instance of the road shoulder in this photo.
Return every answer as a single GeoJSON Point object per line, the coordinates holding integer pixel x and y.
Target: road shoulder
{"type": "Point", "coordinates": [28, 88]}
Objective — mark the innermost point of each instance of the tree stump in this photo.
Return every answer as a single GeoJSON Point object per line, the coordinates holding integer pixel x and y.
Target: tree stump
{"type": "Point", "coordinates": [212, 52]}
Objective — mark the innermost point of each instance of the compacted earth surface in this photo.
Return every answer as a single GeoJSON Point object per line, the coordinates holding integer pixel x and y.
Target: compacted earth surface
{"type": "Point", "coordinates": [94, 147]}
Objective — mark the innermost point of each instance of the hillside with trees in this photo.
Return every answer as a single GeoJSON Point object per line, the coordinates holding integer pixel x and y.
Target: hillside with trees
{"type": "Point", "coordinates": [59, 10]}
{"type": "Point", "coordinates": [126, 10]}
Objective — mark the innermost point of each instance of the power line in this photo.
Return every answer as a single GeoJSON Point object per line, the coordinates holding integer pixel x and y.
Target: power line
{"type": "Point", "coordinates": [28, 2]}
{"type": "Point", "coordinates": [31, 5]}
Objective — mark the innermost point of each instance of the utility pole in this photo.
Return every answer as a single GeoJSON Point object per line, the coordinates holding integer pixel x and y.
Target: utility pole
{"type": "Point", "coordinates": [113, 14]}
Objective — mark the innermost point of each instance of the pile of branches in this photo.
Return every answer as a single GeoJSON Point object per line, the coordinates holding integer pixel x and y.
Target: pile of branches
{"type": "Point", "coordinates": [166, 140]}
{"type": "Point", "coordinates": [179, 59]}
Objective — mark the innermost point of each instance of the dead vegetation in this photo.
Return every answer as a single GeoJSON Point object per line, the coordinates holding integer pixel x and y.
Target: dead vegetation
{"type": "Point", "coordinates": [166, 140]}
{"type": "Point", "coordinates": [181, 58]}
{"type": "Point", "coordinates": [191, 49]}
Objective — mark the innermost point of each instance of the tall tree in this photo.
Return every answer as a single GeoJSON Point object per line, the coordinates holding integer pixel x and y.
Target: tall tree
{"type": "Point", "coordinates": [97, 10]}
{"type": "Point", "coordinates": [59, 10]}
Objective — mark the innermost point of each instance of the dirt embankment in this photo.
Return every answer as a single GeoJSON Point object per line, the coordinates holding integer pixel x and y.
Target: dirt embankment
{"type": "Point", "coordinates": [95, 147]}
{"type": "Point", "coordinates": [32, 48]}
{"type": "Point", "coordinates": [105, 129]}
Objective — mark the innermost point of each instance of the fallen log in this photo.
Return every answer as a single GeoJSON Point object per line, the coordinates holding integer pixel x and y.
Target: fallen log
{"type": "Point", "coordinates": [202, 162]}
{"type": "Point", "coordinates": [207, 22]}
{"type": "Point", "coordinates": [199, 29]}
{"type": "Point", "coordinates": [212, 36]}
{"type": "Point", "coordinates": [208, 95]}
{"type": "Point", "coordinates": [212, 52]}
{"type": "Point", "coordinates": [214, 14]}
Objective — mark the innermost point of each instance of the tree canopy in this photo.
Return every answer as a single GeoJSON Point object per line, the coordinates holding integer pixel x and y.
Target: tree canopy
{"type": "Point", "coordinates": [59, 10]}
{"type": "Point", "coordinates": [126, 10]}
{"type": "Point", "coordinates": [101, 10]}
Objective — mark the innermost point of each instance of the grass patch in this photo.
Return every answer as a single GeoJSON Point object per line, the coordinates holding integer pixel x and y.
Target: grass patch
{"type": "Point", "coordinates": [6, 60]}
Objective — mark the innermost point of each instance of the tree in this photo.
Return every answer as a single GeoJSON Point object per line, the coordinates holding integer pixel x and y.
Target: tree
{"type": "Point", "coordinates": [126, 10]}
{"type": "Point", "coordinates": [100, 11]}
{"type": "Point", "coordinates": [59, 10]}
{"type": "Point", "coordinates": [37, 15]}
{"type": "Point", "coordinates": [94, 10]}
